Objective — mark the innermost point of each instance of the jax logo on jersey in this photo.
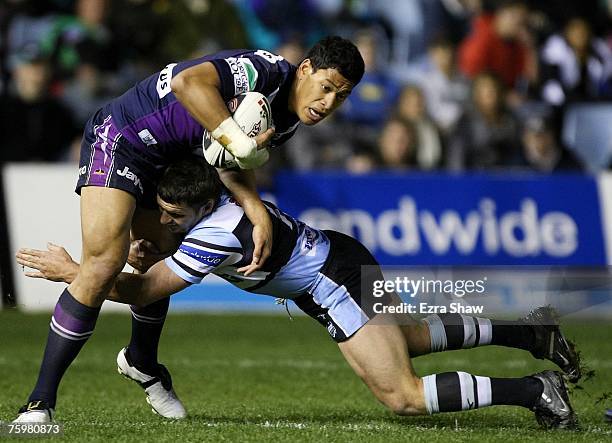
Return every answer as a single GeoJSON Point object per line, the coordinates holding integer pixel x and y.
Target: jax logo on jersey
{"type": "Point", "coordinates": [205, 257]}
{"type": "Point", "coordinates": [132, 177]}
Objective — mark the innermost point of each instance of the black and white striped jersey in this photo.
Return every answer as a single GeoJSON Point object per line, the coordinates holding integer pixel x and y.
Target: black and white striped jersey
{"type": "Point", "coordinates": [222, 242]}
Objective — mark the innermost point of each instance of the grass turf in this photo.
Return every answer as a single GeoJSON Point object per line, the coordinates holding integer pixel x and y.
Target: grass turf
{"type": "Point", "coordinates": [266, 378]}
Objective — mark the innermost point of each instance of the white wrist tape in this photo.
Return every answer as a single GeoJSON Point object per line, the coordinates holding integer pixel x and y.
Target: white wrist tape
{"type": "Point", "coordinates": [232, 138]}
{"type": "Point", "coordinates": [256, 161]}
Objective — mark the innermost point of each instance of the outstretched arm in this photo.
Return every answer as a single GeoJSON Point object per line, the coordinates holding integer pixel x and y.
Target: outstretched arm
{"type": "Point", "coordinates": [56, 264]}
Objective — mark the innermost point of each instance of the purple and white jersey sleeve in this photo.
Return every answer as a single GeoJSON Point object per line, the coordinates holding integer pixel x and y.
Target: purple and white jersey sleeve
{"type": "Point", "coordinates": [202, 251]}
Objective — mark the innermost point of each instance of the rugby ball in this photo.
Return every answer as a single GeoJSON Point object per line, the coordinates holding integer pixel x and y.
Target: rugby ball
{"type": "Point", "coordinates": [253, 114]}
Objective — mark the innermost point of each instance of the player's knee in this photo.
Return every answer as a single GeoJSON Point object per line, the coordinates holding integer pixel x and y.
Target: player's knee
{"type": "Point", "coordinates": [403, 400]}
{"type": "Point", "coordinates": [105, 267]}
{"type": "Point", "coordinates": [101, 268]}
{"type": "Point", "coordinates": [401, 405]}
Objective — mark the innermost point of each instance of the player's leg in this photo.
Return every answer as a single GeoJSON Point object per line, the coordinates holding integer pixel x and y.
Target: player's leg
{"type": "Point", "coordinates": [538, 333]}
{"type": "Point", "coordinates": [442, 332]}
{"type": "Point", "coordinates": [105, 223]}
{"type": "Point", "coordinates": [148, 321]}
{"type": "Point", "coordinates": [377, 354]}
{"type": "Point", "coordinates": [377, 350]}
{"type": "Point", "coordinates": [138, 361]}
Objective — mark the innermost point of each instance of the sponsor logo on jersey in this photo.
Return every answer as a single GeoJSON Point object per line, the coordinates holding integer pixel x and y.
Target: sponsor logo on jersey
{"type": "Point", "coordinates": [251, 72]}
{"type": "Point", "coordinates": [163, 81]}
{"type": "Point", "coordinates": [244, 74]}
{"type": "Point", "coordinates": [82, 170]}
{"type": "Point", "coordinates": [205, 257]}
{"type": "Point", "coordinates": [132, 177]}
{"type": "Point", "coordinates": [147, 138]}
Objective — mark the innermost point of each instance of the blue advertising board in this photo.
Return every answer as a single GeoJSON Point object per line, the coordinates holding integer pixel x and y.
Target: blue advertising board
{"type": "Point", "coordinates": [441, 219]}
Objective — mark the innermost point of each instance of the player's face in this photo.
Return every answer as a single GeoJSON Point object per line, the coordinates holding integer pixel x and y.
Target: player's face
{"type": "Point", "coordinates": [180, 218]}
{"type": "Point", "coordinates": [318, 93]}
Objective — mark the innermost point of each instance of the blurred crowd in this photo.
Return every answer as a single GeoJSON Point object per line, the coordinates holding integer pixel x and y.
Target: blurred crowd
{"type": "Point", "coordinates": [450, 85]}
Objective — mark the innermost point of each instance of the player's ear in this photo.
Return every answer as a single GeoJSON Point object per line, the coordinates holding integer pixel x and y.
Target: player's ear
{"type": "Point", "coordinates": [208, 207]}
{"type": "Point", "coordinates": [305, 67]}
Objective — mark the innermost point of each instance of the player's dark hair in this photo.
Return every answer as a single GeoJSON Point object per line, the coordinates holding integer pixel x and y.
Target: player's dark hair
{"type": "Point", "coordinates": [192, 182]}
{"type": "Point", "coordinates": [335, 52]}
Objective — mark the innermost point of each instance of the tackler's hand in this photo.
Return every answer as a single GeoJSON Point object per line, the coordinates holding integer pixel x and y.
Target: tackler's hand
{"type": "Point", "coordinates": [262, 240]}
{"type": "Point", "coordinates": [144, 254]}
{"type": "Point", "coordinates": [54, 264]}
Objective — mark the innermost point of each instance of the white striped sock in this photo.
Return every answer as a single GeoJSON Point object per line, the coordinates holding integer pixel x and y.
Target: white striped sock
{"type": "Point", "coordinates": [431, 394]}
{"type": "Point", "coordinates": [486, 331]}
{"type": "Point", "coordinates": [437, 333]}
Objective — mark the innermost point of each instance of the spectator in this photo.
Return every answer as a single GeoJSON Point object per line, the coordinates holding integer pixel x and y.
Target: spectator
{"type": "Point", "coordinates": [541, 150]}
{"type": "Point", "coordinates": [497, 44]}
{"type": "Point", "coordinates": [86, 91]}
{"type": "Point", "coordinates": [22, 25]}
{"type": "Point", "coordinates": [396, 149]}
{"type": "Point", "coordinates": [412, 24]}
{"type": "Point", "coordinates": [575, 65]}
{"type": "Point", "coordinates": [446, 90]}
{"type": "Point", "coordinates": [485, 136]}
{"type": "Point", "coordinates": [82, 37]}
{"type": "Point", "coordinates": [189, 25]}
{"type": "Point", "coordinates": [372, 99]}
{"type": "Point", "coordinates": [411, 107]}
{"type": "Point", "coordinates": [397, 145]}
{"type": "Point", "coordinates": [34, 126]}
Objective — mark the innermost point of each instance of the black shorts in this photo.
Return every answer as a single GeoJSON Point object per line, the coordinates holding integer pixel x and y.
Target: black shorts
{"type": "Point", "coordinates": [109, 160]}
{"type": "Point", "coordinates": [340, 299]}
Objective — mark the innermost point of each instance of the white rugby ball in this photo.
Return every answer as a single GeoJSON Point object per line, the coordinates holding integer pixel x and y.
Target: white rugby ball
{"type": "Point", "coordinates": [253, 114]}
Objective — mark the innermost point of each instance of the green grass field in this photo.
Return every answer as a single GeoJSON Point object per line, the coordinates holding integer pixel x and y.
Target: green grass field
{"type": "Point", "coordinates": [266, 378]}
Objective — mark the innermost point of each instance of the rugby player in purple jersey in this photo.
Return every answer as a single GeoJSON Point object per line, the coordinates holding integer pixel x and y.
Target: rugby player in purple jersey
{"type": "Point", "coordinates": [126, 146]}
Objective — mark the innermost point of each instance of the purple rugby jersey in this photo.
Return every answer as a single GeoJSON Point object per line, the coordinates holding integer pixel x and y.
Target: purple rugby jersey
{"type": "Point", "coordinates": [149, 115]}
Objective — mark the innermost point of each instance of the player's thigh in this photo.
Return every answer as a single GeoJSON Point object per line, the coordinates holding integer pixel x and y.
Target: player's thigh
{"type": "Point", "coordinates": [378, 355]}
{"type": "Point", "coordinates": [106, 217]}
{"type": "Point", "coordinates": [146, 225]}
